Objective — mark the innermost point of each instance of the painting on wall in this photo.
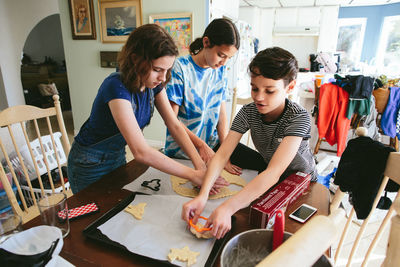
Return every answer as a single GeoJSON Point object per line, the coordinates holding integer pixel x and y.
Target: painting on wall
{"type": "Point", "coordinates": [118, 19]}
{"type": "Point", "coordinates": [179, 26]}
{"type": "Point", "coordinates": [82, 19]}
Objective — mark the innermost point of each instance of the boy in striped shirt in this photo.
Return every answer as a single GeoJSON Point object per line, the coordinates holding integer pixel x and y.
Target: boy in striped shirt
{"type": "Point", "coordinates": [280, 130]}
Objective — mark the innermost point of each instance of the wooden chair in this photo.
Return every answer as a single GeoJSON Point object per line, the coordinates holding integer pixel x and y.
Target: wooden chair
{"type": "Point", "coordinates": [392, 171]}
{"type": "Point", "coordinates": [381, 99]}
{"type": "Point", "coordinates": [28, 115]}
{"type": "Point", "coordinates": [308, 244]}
{"type": "Point", "coordinates": [393, 248]}
{"type": "Point", "coordinates": [239, 101]}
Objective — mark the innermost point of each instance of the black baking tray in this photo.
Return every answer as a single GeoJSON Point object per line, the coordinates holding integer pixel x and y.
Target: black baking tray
{"type": "Point", "coordinates": [94, 233]}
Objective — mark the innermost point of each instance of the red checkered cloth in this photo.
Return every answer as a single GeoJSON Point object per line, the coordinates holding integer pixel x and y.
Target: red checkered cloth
{"type": "Point", "coordinates": [79, 211]}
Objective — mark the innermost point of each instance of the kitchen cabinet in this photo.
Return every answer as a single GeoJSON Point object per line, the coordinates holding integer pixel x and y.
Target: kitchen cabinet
{"type": "Point", "coordinates": [224, 8]}
{"type": "Point", "coordinates": [286, 17]}
{"type": "Point", "coordinates": [328, 29]}
{"type": "Point", "coordinates": [308, 16]}
{"type": "Point", "coordinates": [297, 17]}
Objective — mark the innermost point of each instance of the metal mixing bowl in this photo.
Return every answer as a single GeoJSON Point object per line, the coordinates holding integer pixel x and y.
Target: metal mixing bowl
{"type": "Point", "coordinates": [247, 249]}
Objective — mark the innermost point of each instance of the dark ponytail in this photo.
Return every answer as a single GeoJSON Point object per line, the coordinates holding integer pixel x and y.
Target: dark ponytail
{"type": "Point", "coordinates": [219, 32]}
{"type": "Point", "coordinates": [196, 46]}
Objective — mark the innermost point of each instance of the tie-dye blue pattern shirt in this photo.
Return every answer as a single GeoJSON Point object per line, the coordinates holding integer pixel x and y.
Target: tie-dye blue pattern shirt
{"type": "Point", "coordinates": [199, 93]}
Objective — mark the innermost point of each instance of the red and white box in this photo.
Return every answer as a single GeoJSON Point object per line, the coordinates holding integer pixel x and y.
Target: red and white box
{"type": "Point", "coordinates": [277, 198]}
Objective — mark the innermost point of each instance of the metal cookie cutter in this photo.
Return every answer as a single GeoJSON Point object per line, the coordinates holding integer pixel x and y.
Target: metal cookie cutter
{"type": "Point", "coordinates": [155, 187]}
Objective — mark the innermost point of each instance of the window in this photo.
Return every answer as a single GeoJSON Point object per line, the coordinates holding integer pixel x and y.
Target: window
{"type": "Point", "coordinates": [350, 41]}
{"type": "Point", "coordinates": [388, 56]}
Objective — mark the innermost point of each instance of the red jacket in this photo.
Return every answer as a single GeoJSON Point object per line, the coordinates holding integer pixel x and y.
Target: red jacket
{"type": "Point", "coordinates": [332, 122]}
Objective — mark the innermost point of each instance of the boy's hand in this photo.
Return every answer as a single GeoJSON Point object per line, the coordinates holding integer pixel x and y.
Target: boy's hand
{"type": "Point", "coordinates": [193, 209]}
{"type": "Point", "coordinates": [229, 167]}
{"type": "Point", "coordinates": [220, 220]}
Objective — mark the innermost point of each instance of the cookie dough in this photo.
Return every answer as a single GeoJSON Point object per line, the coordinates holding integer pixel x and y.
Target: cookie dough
{"type": "Point", "coordinates": [183, 254]}
{"type": "Point", "coordinates": [204, 234]}
{"type": "Point", "coordinates": [177, 185]}
{"type": "Point", "coordinates": [136, 211]}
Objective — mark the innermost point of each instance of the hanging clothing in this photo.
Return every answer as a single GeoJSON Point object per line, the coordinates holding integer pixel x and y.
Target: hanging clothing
{"type": "Point", "coordinates": [360, 172]}
{"type": "Point", "coordinates": [398, 125]}
{"type": "Point", "coordinates": [389, 116]}
{"type": "Point", "coordinates": [358, 106]}
{"type": "Point", "coordinates": [358, 87]}
{"type": "Point", "coordinates": [332, 122]}
{"type": "Point", "coordinates": [369, 121]}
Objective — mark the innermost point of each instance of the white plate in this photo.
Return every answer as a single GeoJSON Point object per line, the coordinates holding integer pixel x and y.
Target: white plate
{"type": "Point", "coordinates": [35, 240]}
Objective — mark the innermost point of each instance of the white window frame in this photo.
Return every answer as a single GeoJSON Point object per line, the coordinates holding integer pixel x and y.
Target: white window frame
{"type": "Point", "coordinates": [383, 41]}
{"type": "Point", "coordinates": [354, 21]}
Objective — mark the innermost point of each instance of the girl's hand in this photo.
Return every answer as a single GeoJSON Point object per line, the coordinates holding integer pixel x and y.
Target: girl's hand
{"type": "Point", "coordinates": [229, 167]}
{"type": "Point", "coordinates": [206, 153]}
{"type": "Point", "coordinates": [220, 220]}
{"type": "Point", "coordinates": [193, 209]}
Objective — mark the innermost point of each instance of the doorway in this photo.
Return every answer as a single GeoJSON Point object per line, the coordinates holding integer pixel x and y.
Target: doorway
{"type": "Point", "coordinates": [43, 69]}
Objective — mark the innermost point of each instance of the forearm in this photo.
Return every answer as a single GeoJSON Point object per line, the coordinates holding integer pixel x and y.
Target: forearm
{"type": "Point", "coordinates": [258, 186]}
{"type": "Point", "coordinates": [158, 160]}
{"type": "Point", "coordinates": [213, 171]}
{"type": "Point", "coordinates": [222, 130]}
{"type": "Point", "coordinates": [182, 137]}
{"type": "Point", "coordinates": [261, 183]}
{"type": "Point", "coordinates": [197, 141]}
{"type": "Point", "coordinates": [218, 162]}
{"type": "Point", "coordinates": [222, 126]}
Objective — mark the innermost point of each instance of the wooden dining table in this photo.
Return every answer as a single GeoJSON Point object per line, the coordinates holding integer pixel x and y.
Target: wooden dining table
{"type": "Point", "coordinates": [107, 193]}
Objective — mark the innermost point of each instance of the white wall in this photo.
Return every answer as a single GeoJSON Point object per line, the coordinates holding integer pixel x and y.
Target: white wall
{"type": "Point", "coordinates": [17, 19]}
{"type": "Point", "coordinates": [45, 39]}
{"type": "Point", "coordinates": [83, 57]}
{"type": "Point", "coordinates": [224, 8]}
{"type": "Point", "coordinates": [300, 46]}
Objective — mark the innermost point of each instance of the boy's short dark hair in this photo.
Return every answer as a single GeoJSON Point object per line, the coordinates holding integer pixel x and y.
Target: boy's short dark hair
{"type": "Point", "coordinates": [275, 63]}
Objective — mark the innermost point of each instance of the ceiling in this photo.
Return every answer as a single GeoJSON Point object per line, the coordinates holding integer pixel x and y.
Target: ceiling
{"type": "Point", "coordinates": [296, 3]}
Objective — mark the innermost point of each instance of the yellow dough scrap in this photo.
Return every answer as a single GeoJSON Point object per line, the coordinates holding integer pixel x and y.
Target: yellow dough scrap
{"type": "Point", "coordinates": [183, 254]}
{"type": "Point", "coordinates": [136, 211]}
{"type": "Point", "coordinates": [177, 183]}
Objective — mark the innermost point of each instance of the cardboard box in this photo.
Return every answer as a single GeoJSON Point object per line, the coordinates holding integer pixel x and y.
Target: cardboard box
{"type": "Point", "coordinates": [279, 197]}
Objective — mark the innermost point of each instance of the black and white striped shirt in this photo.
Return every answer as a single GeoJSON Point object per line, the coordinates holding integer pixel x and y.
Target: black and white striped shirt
{"type": "Point", "coordinates": [267, 136]}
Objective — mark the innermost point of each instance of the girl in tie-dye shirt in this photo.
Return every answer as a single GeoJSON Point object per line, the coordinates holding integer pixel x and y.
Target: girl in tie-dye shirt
{"type": "Point", "coordinates": [197, 91]}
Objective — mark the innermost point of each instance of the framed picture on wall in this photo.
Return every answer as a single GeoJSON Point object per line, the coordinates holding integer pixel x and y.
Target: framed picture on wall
{"type": "Point", "coordinates": [118, 19]}
{"type": "Point", "coordinates": [82, 19]}
{"type": "Point", "coordinates": [179, 26]}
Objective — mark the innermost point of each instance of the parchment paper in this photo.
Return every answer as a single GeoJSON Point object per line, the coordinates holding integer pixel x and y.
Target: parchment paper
{"type": "Point", "coordinates": [160, 229]}
{"type": "Point", "coordinates": [166, 186]}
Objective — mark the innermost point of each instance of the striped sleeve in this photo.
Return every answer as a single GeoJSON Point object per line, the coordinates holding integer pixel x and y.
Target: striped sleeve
{"type": "Point", "coordinates": [241, 122]}
{"type": "Point", "coordinates": [299, 124]}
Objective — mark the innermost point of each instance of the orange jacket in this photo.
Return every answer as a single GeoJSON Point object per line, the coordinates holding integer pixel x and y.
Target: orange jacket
{"type": "Point", "coordinates": [332, 122]}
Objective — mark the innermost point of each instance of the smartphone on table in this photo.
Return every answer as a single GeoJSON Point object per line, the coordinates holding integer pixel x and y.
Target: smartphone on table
{"type": "Point", "coordinates": [303, 213]}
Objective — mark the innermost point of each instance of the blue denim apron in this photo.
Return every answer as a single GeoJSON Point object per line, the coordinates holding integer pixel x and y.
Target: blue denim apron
{"type": "Point", "coordinates": [87, 164]}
